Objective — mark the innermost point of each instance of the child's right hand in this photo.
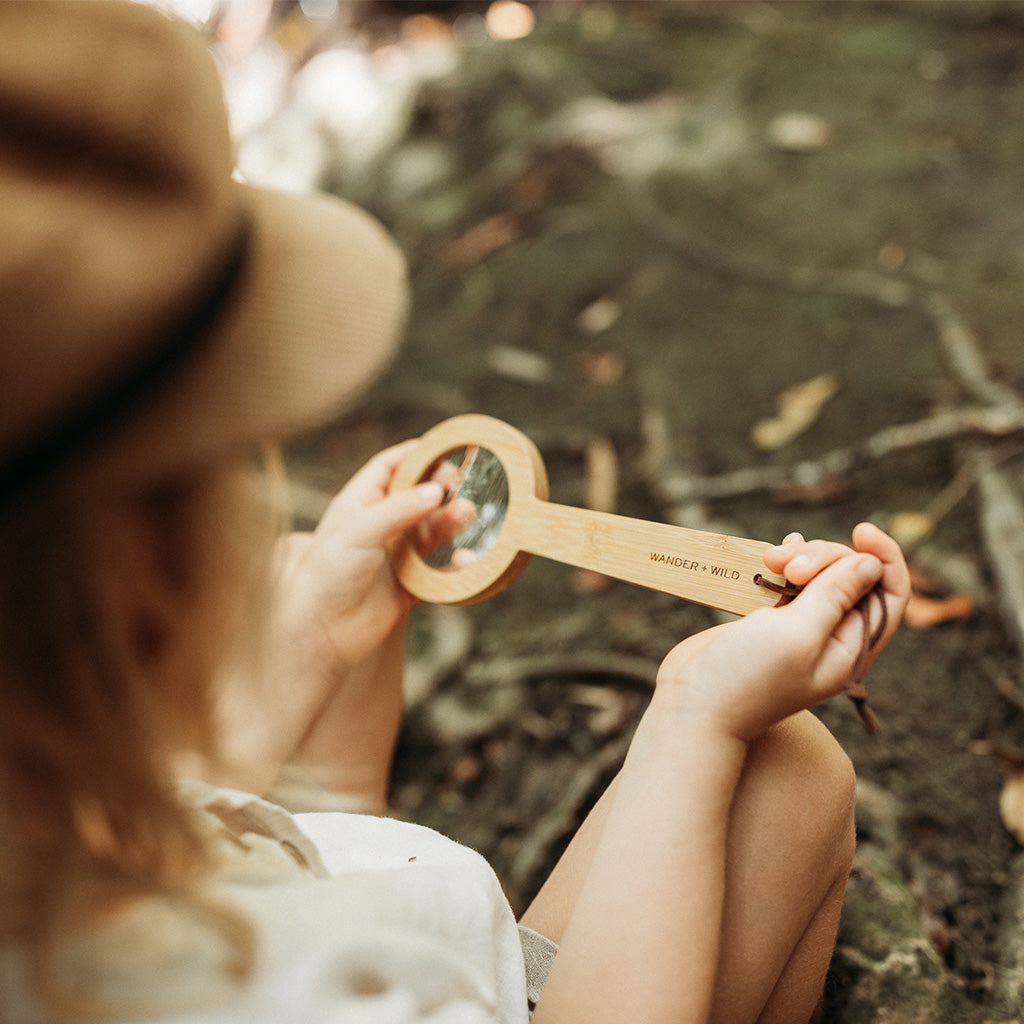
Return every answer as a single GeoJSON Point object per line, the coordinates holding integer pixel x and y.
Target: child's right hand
{"type": "Point", "coordinates": [742, 677]}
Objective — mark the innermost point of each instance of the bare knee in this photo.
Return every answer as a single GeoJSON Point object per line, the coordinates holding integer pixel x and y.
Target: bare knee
{"type": "Point", "coordinates": [791, 842]}
{"type": "Point", "coordinates": [798, 775]}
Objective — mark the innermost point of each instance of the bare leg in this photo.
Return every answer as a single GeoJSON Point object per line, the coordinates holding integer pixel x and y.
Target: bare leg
{"type": "Point", "coordinates": [789, 852]}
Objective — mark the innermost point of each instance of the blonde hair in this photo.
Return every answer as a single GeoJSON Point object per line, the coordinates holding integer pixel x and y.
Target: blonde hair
{"type": "Point", "coordinates": [88, 810]}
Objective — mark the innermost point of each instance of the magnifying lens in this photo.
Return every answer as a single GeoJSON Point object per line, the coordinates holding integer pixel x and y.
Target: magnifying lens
{"type": "Point", "coordinates": [496, 475]}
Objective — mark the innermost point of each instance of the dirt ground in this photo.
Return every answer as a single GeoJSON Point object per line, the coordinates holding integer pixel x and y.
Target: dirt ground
{"type": "Point", "coordinates": [629, 233]}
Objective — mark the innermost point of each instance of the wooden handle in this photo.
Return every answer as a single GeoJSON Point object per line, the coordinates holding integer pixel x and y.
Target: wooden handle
{"type": "Point", "coordinates": [708, 568]}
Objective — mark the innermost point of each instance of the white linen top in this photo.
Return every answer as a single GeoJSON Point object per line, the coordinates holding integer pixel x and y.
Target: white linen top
{"type": "Point", "coordinates": [357, 919]}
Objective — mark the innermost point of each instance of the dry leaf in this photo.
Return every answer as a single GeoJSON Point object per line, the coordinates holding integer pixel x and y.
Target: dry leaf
{"type": "Point", "coordinates": [584, 582]}
{"type": "Point", "coordinates": [911, 527]}
{"type": "Point", "coordinates": [481, 240]}
{"type": "Point", "coordinates": [931, 604]}
{"type": "Point", "coordinates": [599, 315]}
{"type": "Point", "coordinates": [923, 612]}
{"type": "Point", "coordinates": [603, 367]}
{"type": "Point", "coordinates": [601, 484]}
{"type": "Point", "coordinates": [465, 770]}
{"type": "Point", "coordinates": [1011, 806]}
{"type": "Point", "coordinates": [830, 488]}
{"type": "Point", "coordinates": [520, 364]}
{"type": "Point", "coordinates": [798, 408]}
{"type": "Point", "coordinates": [609, 708]}
{"type": "Point", "coordinates": [892, 257]}
{"type": "Point", "coordinates": [799, 132]}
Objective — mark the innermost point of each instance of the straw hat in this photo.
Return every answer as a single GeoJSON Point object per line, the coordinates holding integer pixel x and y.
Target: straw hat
{"type": "Point", "coordinates": [154, 313]}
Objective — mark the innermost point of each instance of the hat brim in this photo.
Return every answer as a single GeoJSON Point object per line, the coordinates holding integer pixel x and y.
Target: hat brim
{"type": "Point", "coordinates": [315, 319]}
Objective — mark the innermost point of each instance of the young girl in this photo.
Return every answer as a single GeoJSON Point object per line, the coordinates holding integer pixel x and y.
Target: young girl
{"type": "Point", "coordinates": [164, 655]}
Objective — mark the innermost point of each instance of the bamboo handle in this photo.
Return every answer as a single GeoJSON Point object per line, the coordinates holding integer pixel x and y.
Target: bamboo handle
{"type": "Point", "coordinates": [708, 568]}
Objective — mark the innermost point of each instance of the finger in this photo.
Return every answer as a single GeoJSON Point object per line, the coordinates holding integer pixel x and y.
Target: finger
{"type": "Point", "coordinates": [839, 656]}
{"type": "Point", "coordinates": [869, 538]}
{"type": "Point", "coordinates": [463, 558]}
{"type": "Point", "coordinates": [447, 474]}
{"type": "Point", "coordinates": [828, 598]}
{"type": "Point", "coordinates": [775, 558]}
{"type": "Point", "coordinates": [373, 478]}
{"type": "Point", "coordinates": [895, 576]}
{"type": "Point", "coordinates": [801, 561]}
{"type": "Point", "coordinates": [443, 524]}
{"type": "Point", "coordinates": [392, 515]}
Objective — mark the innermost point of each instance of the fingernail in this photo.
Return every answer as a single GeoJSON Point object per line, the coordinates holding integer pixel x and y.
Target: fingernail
{"type": "Point", "coordinates": [793, 538]}
{"type": "Point", "coordinates": [430, 493]}
{"type": "Point", "coordinates": [780, 549]}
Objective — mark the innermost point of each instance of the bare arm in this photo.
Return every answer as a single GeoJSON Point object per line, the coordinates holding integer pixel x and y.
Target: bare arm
{"type": "Point", "coordinates": [642, 941]}
{"type": "Point", "coordinates": [329, 688]}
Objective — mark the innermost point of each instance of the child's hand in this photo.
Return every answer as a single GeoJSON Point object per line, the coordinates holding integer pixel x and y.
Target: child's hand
{"type": "Point", "coordinates": [800, 561]}
{"type": "Point", "coordinates": [330, 689]}
{"type": "Point", "coordinates": [338, 578]}
{"type": "Point", "coordinates": [746, 675]}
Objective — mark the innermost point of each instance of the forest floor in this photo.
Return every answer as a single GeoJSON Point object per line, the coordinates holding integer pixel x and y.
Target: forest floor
{"type": "Point", "coordinates": [629, 233]}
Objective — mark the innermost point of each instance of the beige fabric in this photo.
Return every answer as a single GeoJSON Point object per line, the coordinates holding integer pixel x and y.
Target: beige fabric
{"type": "Point", "coordinates": [538, 956]}
{"type": "Point", "coordinates": [297, 791]}
{"type": "Point", "coordinates": [356, 920]}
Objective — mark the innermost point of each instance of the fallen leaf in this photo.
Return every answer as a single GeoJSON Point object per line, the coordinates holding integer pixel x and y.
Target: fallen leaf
{"type": "Point", "coordinates": [601, 483]}
{"type": "Point", "coordinates": [798, 408]}
{"type": "Point", "coordinates": [931, 602]}
{"type": "Point", "coordinates": [481, 240]}
{"type": "Point", "coordinates": [599, 315]}
{"type": "Point", "coordinates": [608, 707]}
{"type": "Point", "coordinates": [603, 367]}
{"type": "Point", "coordinates": [923, 612]}
{"type": "Point", "coordinates": [465, 770]}
{"type": "Point", "coordinates": [584, 582]}
{"type": "Point", "coordinates": [911, 527]}
{"type": "Point", "coordinates": [829, 488]}
{"type": "Point", "coordinates": [799, 132]}
{"type": "Point", "coordinates": [520, 364]}
{"type": "Point", "coordinates": [1011, 806]}
{"type": "Point", "coordinates": [892, 257]}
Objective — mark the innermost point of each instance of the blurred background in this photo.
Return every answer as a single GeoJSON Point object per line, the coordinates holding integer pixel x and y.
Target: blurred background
{"type": "Point", "coordinates": [749, 267]}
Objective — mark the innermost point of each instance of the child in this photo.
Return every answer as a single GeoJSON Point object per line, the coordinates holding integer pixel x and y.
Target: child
{"type": "Point", "coordinates": [161, 660]}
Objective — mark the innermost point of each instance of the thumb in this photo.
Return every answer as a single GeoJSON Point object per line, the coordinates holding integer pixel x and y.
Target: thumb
{"type": "Point", "coordinates": [827, 599]}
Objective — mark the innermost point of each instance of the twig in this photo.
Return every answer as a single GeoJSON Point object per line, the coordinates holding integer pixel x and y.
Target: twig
{"type": "Point", "coordinates": [957, 424]}
{"type": "Point", "coordinates": [860, 284]}
{"type": "Point", "coordinates": [966, 479]}
{"type": "Point", "coordinates": [964, 355]}
{"type": "Point", "coordinates": [1002, 510]}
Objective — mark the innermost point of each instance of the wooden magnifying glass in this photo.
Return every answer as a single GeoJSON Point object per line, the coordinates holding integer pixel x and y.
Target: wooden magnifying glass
{"type": "Point", "coordinates": [499, 470]}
